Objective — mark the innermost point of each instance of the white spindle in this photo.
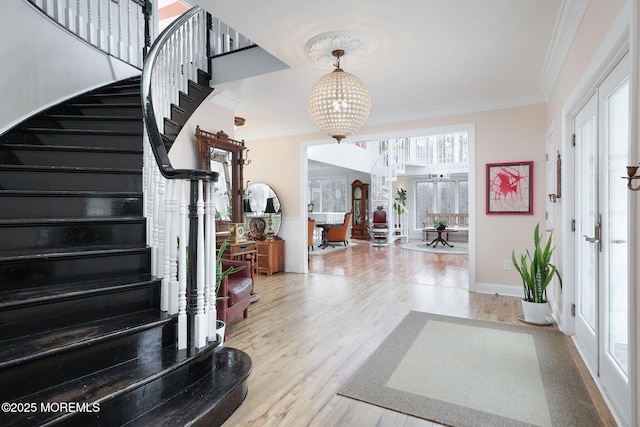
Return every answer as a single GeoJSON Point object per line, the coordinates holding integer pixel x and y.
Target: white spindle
{"type": "Point", "coordinates": [111, 44]}
{"type": "Point", "coordinates": [68, 16]}
{"type": "Point", "coordinates": [79, 22]}
{"type": "Point", "coordinates": [210, 265]}
{"type": "Point", "coordinates": [155, 220]}
{"type": "Point", "coordinates": [166, 250]}
{"type": "Point", "coordinates": [161, 196]}
{"type": "Point", "coordinates": [182, 269]}
{"type": "Point", "coordinates": [173, 247]}
{"type": "Point", "coordinates": [130, 52]}
{"type": "Point", "coordinates": [139, 36]}
{"type": "Point", "coordinates": [121, 49]}
{"type": "Point", "coordinates": [100, 29]}
{"type": "Point", "coordinates": [201, 330]}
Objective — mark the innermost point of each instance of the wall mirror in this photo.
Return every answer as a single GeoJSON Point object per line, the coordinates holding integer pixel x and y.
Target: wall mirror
{"type": "Point", "coordinates": [262, 212]}
{"type": "Point", "coordinates": [222, 154]}
{"type": "Point", "coordinates": [222, 190]}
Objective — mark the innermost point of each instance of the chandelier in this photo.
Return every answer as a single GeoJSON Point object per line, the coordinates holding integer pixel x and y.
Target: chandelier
{"type": "Point", "coordinates": [338, 103]}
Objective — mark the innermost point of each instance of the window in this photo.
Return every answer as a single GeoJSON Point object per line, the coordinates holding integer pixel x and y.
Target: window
{"type": "Point", "coordinates": [328, 194]}
{"type": "Point", "coordinates": [449, 196]}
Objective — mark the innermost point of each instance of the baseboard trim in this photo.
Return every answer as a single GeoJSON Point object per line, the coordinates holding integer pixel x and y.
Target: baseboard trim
{"type": "Point", "coordinates": [493, 288]}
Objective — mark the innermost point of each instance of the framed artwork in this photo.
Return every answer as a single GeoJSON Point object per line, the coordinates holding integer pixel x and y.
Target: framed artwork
{"type": "Point", "coordinates": [510, 188]}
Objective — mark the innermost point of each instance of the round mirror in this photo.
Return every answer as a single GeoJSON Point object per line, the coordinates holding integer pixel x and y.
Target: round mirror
{"type": "Point", "coordinates": [262, 212]}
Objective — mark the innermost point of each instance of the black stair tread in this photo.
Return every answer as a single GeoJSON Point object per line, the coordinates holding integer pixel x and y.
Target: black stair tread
{"type": "Point", "coordinates": [22, 349]}
{"type": "Point", "coordinates": [68, 251]}
{"type": "Point", "coordinates": [44, 147]}
{"type": "Point", "coordinates": [106, 386]}
{"type": "Point", "coordinates": [12, 298]}
{"type": "Point", "coordinates": [81, 220]}
{"type": "Point", "coordinates": [71, 193]}
{"type": "Point", "coordinates": [97, 387]}
{"type": "Point", "coordinates": [81, 131]}
{"type": "Point", "coordinates": [69, 169]}
{"type": "Point", "coordinates": [92, 117]}
{"type": "Point", "coordinates": [210, 400]}
{"type": "Point", "coordinates": [67, 254]}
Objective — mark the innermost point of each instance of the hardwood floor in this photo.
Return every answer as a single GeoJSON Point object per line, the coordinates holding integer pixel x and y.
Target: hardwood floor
{"type": "Point", "coordinates": [309, 333]}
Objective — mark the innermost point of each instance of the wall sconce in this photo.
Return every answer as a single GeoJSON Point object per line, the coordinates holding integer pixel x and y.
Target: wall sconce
{"type": "Point", "coordinates": [631, 175]}
{"type": "Point", "coordinates": [553, 198]}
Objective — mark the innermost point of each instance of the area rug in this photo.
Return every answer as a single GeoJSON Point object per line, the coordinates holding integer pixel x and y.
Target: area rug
{"type": "Point", "coordinates": [463, 372]}
{"type": "Point", "coordinates": [337, 247]}
{"type": "Point", "coordinates": [458, 247]}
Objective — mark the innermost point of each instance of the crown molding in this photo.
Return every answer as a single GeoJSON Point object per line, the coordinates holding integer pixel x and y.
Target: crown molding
{"type": "Point", "coordinates": [569, 19]}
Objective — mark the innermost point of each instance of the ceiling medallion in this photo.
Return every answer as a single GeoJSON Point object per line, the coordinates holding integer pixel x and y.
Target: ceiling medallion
{"type": "Point", "coordinates": [338, 103]}
{"type": "Point", "coordinates": [320, 47]}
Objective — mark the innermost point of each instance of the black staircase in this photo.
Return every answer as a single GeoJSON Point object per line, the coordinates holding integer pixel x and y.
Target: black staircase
{"type": "Point", "coordinates": [82, 338]}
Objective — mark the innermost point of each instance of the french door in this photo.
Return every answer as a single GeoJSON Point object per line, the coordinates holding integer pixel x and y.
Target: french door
{"type": "Point", "coordinates": [601, 233]}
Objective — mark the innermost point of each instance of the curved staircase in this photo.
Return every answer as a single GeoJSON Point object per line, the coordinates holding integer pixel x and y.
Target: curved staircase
{"type": "Point", "coordinates": [82, 338]}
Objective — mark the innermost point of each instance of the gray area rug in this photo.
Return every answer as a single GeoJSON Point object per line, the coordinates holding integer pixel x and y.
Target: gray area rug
{"type": "Point", "coordinates": [458, 247]}
{"type": "Point", "coordinates": [337, 247]}
{"type": "Point", "coordinates": [463, 372]}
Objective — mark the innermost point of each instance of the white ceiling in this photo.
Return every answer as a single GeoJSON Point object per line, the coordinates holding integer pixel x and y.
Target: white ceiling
{"type": "Point", "coordinates": [427, 58]}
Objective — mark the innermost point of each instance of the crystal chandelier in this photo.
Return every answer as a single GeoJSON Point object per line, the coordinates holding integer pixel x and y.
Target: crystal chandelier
{"type": "Point", "coordinates": [339, 103]}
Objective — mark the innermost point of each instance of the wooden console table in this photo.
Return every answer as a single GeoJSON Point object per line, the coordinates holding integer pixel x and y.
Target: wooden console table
{"type": "Point", "coordinates": [241, 251]}
{"type": "Point", "coordinates": [270, 256]}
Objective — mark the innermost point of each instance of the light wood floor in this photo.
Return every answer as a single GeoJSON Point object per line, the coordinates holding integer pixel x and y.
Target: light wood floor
{"type": "Point", "coordinates": [310, 332]}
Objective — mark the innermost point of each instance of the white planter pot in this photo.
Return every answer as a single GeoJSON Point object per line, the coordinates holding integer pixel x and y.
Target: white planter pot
{"type": "Point", "coordinates": [535, 312]}
{"type": "Point", "coordinates": [220, 329]}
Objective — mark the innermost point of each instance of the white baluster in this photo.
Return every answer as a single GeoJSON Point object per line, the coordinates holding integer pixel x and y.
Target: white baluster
{"type": "Point", "coordinates": [121, 49]}
{"type": "Point", "coordinates": [166, 249]}
{"type": "Point", "coordinates": [100, 30]}
{"type": "Point", "coordinates": [173, 247]}
{"type": "Point", "coordinates": [154, 230]}
{"type": "Point", "coordinates": [182, 269]}
{"type": "Point", "coordinates": [130, 52]}
{"type": "Point", "coordinates": [68, 16]}
{"type": "Point", "coordinates": [139, 36]}
{"type": "Point", "coordinates": [110, 38]}
{"type": "Point", "coordinates": [201, 330]}
{"type": "Point", "coordinates": [159, 271]}
{"type": "Point", "coordinates": [91, 38]}
{"type": "Point", "coordinates": [79, 23]}
{"type": "Point", "coordinates": [210, 261]}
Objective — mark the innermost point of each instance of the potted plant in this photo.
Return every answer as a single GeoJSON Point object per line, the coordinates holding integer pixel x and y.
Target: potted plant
{"type": "Point", "coordinates": [220, 275]}
{"type": "Point", "coordinates": [400, 201]}
{"type": "Point", "coordinates": [536, 272]}
{"type": "Point", "coordinates": [440, 223]}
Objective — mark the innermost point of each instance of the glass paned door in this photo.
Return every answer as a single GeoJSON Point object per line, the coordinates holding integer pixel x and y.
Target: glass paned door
{"type": "Point", "coordinates": [587, 243]}
{"type": "Point", "coordinates": [602, 229]}
{"type": "Point", "coordinates": [614, 349]}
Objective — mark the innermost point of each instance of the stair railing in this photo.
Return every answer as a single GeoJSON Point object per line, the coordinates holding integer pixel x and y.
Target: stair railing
{"type": "Point", "coordinates": [183, 252]}
{"type": "Point", "coordinates": [120, 29]}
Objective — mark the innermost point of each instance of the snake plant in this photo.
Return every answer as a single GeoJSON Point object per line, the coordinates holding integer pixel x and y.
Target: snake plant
{"type": "Point", "coordinates": [536, 270]}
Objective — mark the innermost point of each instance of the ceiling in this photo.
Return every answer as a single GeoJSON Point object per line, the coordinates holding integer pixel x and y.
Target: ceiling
{"type": "Point", "coordinates": [426, 58]}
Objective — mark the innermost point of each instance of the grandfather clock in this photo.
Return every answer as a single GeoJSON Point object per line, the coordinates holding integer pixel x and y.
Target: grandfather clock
{"type": "Point", "coordinates": [359, 207]}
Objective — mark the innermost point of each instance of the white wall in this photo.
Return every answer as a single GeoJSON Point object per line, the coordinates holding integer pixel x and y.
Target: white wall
{"type": "Point", "coordinates": [66, 65]}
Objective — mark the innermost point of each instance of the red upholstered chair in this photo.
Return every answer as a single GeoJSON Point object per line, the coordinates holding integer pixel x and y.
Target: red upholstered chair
{"type": "Point", "coordinates": [379, 229]}
{"type": "Point", "coordinates": [237, 286]}
{"type": "Point", "coordinates": [340, 233]}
